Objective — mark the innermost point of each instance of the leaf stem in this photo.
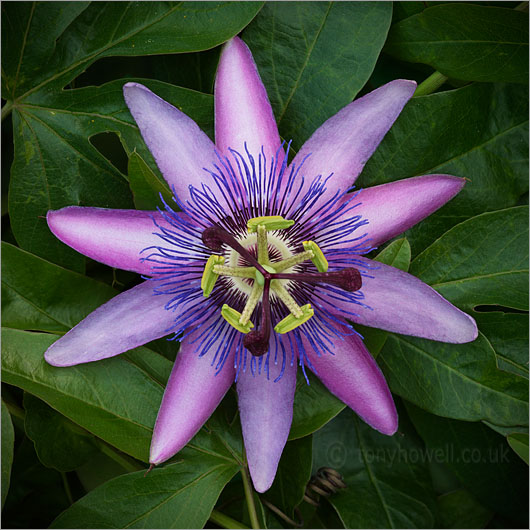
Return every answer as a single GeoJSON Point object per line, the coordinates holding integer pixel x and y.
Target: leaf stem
{"type": "Point", "coordinates": [224, 521]}
{"type": "Point", "coordinates": [6, 109]}
{"type": "Point", "coordinates": [127, 463]}
{"type": "Point", "coordinates": [523, 6]}
{"type": "Point", "coordinates": [249, 495]}
{"type": "Point", "coordinates": [67, 489]}
{"type": "Point", "coordinates": [431, 84]}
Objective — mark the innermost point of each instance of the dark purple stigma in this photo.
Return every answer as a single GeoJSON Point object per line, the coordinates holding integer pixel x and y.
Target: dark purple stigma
{"type": "Point", "coordinates": [257, 341]}
{"type": "Point", "coordinates": [348, 279]}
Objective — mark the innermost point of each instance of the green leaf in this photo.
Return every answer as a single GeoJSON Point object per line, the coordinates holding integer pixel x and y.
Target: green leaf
{"type": "Point", "coordinates": [8, 441]}
{"type": "Point", "coordinates": [519, 443]}
{"type": "Point", "coordinates": [459, 381]}
{"type": "Point", "coordinates": [508, 334]}
{"type": "Point", "coordinates": [293, 475]}
{"type": "Point", "coordinates": [113, 399]}
{"type": "Point", "coordinates": [59, 443]}
{"type": "Point", "coordinates": [481, 261]}
{"type": "Point", "coordinates": [314, 57]}
{"type": "Point", "coordinates": [102, 30]}
{"type": "Point", "coordinates": [40, 295]}
{"type": "Point", "coordinates": [396, 254]}
{"type": "Point", "coordinates": [458, 509]}
{"type": "Point", "coordinates": [314, 406]}
{"type": "Point", "coordinates": [465, 41]}
{"type": "Point", "coordinates": [479, 132]}
{"type": "Point", "coordinates": [55, 164]}
{"type": "Point", "coordinates": [480, 458]}
{"type": "Point", "coordinates": [388, 483]}
{"type": "Point", "coordinates": [179, 495]}
{"type": "Point", "coordinates": [146, 185]}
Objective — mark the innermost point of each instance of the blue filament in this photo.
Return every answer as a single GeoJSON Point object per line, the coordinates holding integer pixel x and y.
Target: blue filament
{"type": "Point", "coordinates": [236, 189]}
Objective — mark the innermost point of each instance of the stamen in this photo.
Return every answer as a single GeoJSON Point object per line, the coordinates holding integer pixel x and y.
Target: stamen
{"type": "Point", "coordinates": [263, 246]}
{"type": "Point", "coordinates": [321, 263]}
{"type": "Point", "coordinates": [234, 317]}
{"type": "Point", "coordinates": [347, 279]}
{"type": "Point", "coordinates": [235, 272]}
{"type": "Point", "coordinates": [257, 341]}
{"type": "Point", "coordinates": [291, 322]}
{"type": "Point", "coordinates": [252, 302]}
{"type": "Point", "coordinates": [285, 264]}
{"type": "Point", "coordinates": [209, 276]}
{"type": "Point", "coordinates": [286, 298]}
{"type": "Point", "coordinates": [270, 222]}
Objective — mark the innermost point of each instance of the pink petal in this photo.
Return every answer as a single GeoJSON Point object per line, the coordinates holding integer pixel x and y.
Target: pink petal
{"type": "Point", "coordinates": [113, 237]}
{"type": "Point", "coordinates": [180, 148]}
{"type": "Point", "coordinates": [397, 206]}
{"type": "Point", "coordinates": [242, 109]}
{"type": "Point", "coordinates": [266, 409]}
{"type": "Point", "coordinates": [354, 377]}
{"type": "Point", "coordinates": [192, 394]}
{"type": "Point", "coordinates": [344, 143]}
{"type": "Point", "coordinates": [128, 320]}
{"type": "Point", "coordinates": [404, 304]}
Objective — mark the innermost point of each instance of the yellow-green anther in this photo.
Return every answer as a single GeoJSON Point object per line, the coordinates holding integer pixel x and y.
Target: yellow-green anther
{"type": "Point", "coordinates": [252, 302]}
{"type": "Point", "coordinates": [209, 276]}
{"type": "Point", "coordinates": [270, 222]}
{"type": "Point", "coordinates": [283, 294]}
{"type": "Point", "coordinates": [236, 272]}
{"type": "Point", "coordinates": [232, 317]}
{"type": "Point", "coordinates": [263, 246]}
{"type": "Point", "coordinates": [291, 322]}
{"type": "Point", "coordinates": [285, 264]}
{"type": "Point", "coordinates": [321, 263]}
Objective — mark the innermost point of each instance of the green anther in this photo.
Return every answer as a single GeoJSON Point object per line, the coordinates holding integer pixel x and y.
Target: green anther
{"type": "Point", "coordinates": [209, 277]}
{"type": "Point", "coordinates": [270, 222]}
{"type": "Point", "coordinates": [321, 263]}
{"type": "Point", "coordinates": [291, 322]}
{"type": "Point", "coordinates": [232, 317]}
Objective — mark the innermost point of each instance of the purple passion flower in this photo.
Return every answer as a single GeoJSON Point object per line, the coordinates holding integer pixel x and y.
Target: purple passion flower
{"type": "Point", "coordinates": [262, 269]}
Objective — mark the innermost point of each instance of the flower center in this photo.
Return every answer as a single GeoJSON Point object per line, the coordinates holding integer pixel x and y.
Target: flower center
{"type": "Point", "coordinates": [262, 277]}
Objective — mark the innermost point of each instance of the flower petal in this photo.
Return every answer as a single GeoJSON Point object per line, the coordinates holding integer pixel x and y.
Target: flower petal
{"type": "Point", "coordinates": [344, 143]}
{"type": "Point", "coordinates": [180, 148]}
{"type": "Point", "coordinates": [242, 109]}
{"type": "Point", "coordinates": [403, 304]}
{"type": "Point", "coordinates": [128, 320]}
{"type": "Point", "coordinates": [354, 377]}
{"type": "Point", "coordinates": [112, 237]}
{"type": "Point", "coordinates": [266, 409]}
{"type": "Point", "coordinates": [397, 206]}
{"type": "Point", "coordinates": [192, 394]}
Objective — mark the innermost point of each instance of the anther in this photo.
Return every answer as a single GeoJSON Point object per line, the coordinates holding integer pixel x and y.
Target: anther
{"type": "Point", "coordinates": [209, 276]}
{"type": "Point", "coordinates": [234, 317]}
{"type": "Point", "coordinates": [270, 222]}
{"type": "Point", "coordinates": [291, 322]}
{"type": "Point", "coordinates": [321, 263]}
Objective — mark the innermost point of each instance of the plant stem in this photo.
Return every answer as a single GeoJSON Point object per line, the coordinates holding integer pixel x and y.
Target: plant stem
{"type": "Point", "coordinates": [6, 109]}
{"type": "Point", "coordinates": [15, 410]}
{"type": "Point", "coordinates": [523, 6]}
{"type": "Point", "coordinates": [224, 521]}
{"type": "Point", "coordinates": [249, 495]}
{"type": "Point", "coordinates": [431, 84]}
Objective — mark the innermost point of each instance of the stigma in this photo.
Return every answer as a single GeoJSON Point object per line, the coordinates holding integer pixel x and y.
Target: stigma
{"type": "Point", "coordinates": [267, 276]}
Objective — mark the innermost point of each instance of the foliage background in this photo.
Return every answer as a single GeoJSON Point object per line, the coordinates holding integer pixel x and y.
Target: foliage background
{"type": "Point", "coordinates": [75, 441]}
